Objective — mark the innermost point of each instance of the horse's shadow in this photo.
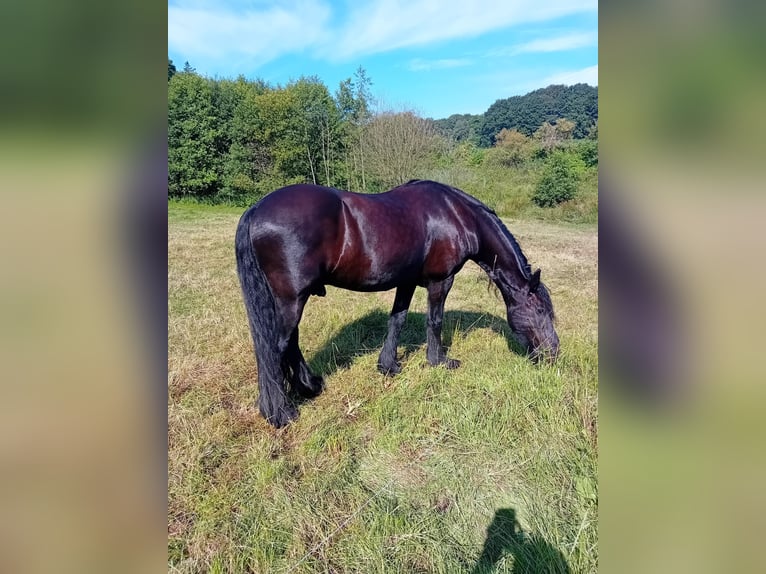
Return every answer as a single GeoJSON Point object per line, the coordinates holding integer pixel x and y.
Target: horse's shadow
{"type": "Point", "coordinates": [531, 554]}
{"type": "Point", "coordinates": [366, 334]}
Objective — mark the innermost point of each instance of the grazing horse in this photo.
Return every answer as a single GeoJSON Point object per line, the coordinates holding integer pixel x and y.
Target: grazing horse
{"type": "Point", "coordinates": [300, 238]}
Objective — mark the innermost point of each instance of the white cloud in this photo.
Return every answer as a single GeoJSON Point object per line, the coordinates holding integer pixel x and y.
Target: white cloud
{"type": "Point", "coordinates": [418, 64]}
{"type": "Point", "coordinates": [231, 32]}
{"type": "Point", "coordinates": [388, 24]}
{"type": "Point", "coordinates": [204, 32]}
{"type": "Point", "coordinates": [558, 44]}
{"type": "Point", "coordinates": [587, 75]}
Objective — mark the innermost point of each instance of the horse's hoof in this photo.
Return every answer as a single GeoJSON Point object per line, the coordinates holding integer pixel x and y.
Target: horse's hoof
{"type": "Point", "coordinates": [282, 417]}
{"type": "Point", "coordinates": [313, 389]}
{"type": "Point", "coordinates": [452, 363]}
{"type": "Point", "coordinates": [448, 363]}
{"type": "Point", "coordinates": [390, 370]}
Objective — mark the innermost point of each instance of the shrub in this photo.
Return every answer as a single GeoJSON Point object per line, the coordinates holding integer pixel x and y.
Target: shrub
{"type": "Point", "coordinates": [589, 152]}
{"type": "Point", "coordinates": [503, 157]}
{"type": "Point", "coordinates": [559, 180]}
{"type": "Point", "coordinates": [466, 153]}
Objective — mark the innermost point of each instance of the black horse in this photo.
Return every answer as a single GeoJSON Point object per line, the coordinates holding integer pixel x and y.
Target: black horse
{"type": "Point", "coordinates": [300, 238]}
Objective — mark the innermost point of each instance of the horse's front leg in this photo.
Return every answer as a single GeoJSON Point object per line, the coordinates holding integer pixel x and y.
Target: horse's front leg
{"type": "Point", "coordinates": [387, 363]}
{"type": "Point", "coordinates": [437, 293]}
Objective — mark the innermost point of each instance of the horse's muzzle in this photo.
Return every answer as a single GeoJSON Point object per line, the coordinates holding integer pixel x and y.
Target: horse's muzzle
{"type": "Point", "coordinates": [548, 353]}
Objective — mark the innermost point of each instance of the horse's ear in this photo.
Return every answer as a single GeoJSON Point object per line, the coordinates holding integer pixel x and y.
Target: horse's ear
{"type": "Point", "coordinates": [534, 282]}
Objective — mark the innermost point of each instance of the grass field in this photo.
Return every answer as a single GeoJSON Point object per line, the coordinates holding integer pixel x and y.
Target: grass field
{"type": "Point", "coordinates": [488, 468]}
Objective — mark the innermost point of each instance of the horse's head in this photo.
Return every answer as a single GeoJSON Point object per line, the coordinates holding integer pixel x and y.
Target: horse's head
{"type": "Point", "coordinates": [530, 315]}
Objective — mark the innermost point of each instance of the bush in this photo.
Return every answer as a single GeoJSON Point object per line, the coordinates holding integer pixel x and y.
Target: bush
{"type": "Point", "coordinates": [466, 153]}
{"type": "Point", "coordinates": [504, 157]}
{"type": "Point", "coordinates": [589, 152]}
{"type": "Point", "coordinates": [559, 180]}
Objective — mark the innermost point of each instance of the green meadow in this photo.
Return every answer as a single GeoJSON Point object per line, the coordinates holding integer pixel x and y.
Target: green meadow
{"type": "Point", "coordinates": [487, 468]}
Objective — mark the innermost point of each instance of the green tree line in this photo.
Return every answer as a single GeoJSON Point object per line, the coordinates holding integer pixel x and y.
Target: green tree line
{"type": "Point", "coordinates": [231, 139]}
{"type": "Point", "coordinates": [234, 140]}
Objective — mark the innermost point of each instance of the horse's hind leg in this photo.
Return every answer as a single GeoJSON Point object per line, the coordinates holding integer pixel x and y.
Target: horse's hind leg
{"type": "Point", "coordinates": [437, 293]}
{"type": "Point", "coordinates": [387, 363]}
{"type": "Point", "coordinates": [273, 402]}
{"type": "Point", "coordinates": [274, 366]}
{"type": "Point", "coordinates": [304, 382]}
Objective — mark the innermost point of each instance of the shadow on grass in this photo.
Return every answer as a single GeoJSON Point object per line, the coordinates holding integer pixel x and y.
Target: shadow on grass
{"type": "Point", "coordinates": [531, 554]}
{"type": "Point", "coordinates": [366, 334]}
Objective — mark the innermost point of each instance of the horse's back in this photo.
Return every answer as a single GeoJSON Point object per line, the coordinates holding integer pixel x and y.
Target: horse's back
{"type": "Point", "coordinates": [298, 205]}
{"type": "Point", "coordinates": [401, 205]}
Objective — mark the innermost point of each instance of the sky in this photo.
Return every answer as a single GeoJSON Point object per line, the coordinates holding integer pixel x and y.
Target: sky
{"type": "Point", "coordinates": [437, 57]}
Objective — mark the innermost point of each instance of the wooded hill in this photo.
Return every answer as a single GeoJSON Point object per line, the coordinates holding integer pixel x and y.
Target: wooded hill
{"type": "Point", "coordinates": [578, 103]}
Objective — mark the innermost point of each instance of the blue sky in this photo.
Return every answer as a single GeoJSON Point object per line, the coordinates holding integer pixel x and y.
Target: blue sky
{"type": "Point", "coordinates": [438, 57]}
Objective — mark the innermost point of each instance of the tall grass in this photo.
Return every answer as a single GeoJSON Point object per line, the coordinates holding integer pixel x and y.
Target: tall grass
{"type": "Point", "coordinates": [491, 467]}
{"type": "Point", "coordinates": [509, 190]}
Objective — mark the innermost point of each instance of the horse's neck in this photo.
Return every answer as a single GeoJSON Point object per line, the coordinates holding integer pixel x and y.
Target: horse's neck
{"type": "Point", "coordinates": [497, 253]}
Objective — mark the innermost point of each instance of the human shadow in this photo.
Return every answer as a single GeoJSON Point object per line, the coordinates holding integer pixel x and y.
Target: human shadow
{"type": "Point", "coordinates": [531, 553]}
{"type": "Point", "coordinates": [366, 334]}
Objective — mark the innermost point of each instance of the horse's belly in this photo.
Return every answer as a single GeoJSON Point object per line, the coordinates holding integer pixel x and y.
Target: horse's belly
{"type": "Point", "coordinates": [364, 277]}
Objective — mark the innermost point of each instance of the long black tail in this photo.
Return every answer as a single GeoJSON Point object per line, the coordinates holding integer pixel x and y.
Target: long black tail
{"type": "Point", "coordinates": [259, 302]}
{"type": "Point", "coordinates": [264, 327]}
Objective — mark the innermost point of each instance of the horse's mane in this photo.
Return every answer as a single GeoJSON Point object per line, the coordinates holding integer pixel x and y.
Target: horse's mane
{"type": "Point", "coordinates": [526, 270]}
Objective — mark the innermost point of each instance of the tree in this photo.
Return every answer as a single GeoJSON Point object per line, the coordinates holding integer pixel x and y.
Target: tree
{"type": "Point", "coordinates": [354, 104]}
{"type": "Point", "coordinates": [345, 103]}
{"type": "Point", "coordinates": [399, 145]}
{"type": "Point", "coordinates": [362, 95]}
{"type": "Point", "coordinates": [194, 160]}
{"type": "Point", "coordinates": [593, 131]}
{"type": "Point", "coordinates": [249, 162]}
{"type": "Point", "coordinates": [460, 127]}
{"type": "Point", "coordinates": [547, 136]}
{"type": "Point", "coordinates": [511, 149]}
{"type": "Point", "coordinates": [279, 124]}
{"type": "Point", "coordinates": [171, 69]}
{"type": "Point", "coordinates": [317, 127]}
{"type": "Point", "coordinates": [553, 135]}
{"type": "Point", "coordinates": [565, 128]}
